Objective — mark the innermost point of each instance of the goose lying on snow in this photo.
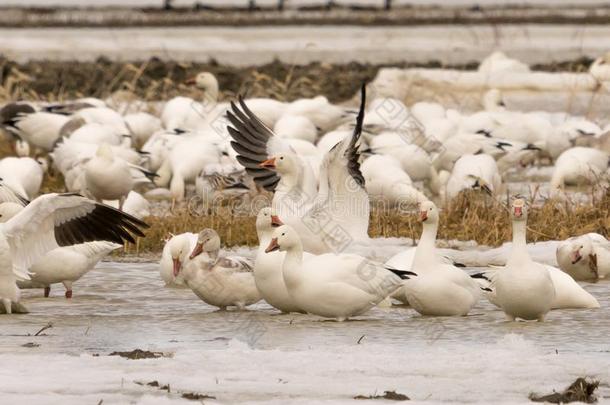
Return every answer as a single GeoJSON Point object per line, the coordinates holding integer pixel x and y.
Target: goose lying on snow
{"type": "Point", "coordinates": [585, 257]}
{"type": "Point", "coordinates": [332, 285]}
{"type": "Point", "coordinates": [440, 289]}
{"type": "Point", "coordinates": [221, 281]}
{"type": "Point", "coordinates": [51, 221]}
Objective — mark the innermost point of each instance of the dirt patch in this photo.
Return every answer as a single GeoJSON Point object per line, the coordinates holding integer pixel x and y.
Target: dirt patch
{"type": "Point", "coordinates": [192, 396]}
{"type": "Point", "coordinates": [388, 395]}
{"type": "Point", "coordinates": [158, 79]}
{"type": "Point", "coordinates": [139, 354]}
{"type": "Point", "coordinates": [581, 390]}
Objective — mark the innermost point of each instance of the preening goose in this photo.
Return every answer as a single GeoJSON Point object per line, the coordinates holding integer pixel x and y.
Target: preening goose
{"type": "Point", "coordinates": [51, 221]}
{"type": "Point", "coordinates": [332, 285]}
{"type": "Point", "coordinates": [218, 280]}
{"type": "Point", "coordinates": [479, 172]}
{"type": "Point", "coordinates": [175, 255]}
{"type": "Point", "coordinates": [579, 165]}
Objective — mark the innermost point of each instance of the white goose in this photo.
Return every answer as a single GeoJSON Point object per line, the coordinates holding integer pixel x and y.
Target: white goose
{"type": "Point", "coordinates": [474, 172]}
{"type": "Point", "coordinates": [585, 257]}
{"type": "Point", "coordinates": [296, 126]}
{"type": "Point", "coordinates": [332, 285]}
{"type": "Point", "coordinates": [39, 129]}
{"type": "Point", "coordinates": [221, 281]}
{"type": "Point", "coordinates": [524, 289]}
{"type": "Point", "coordinates": [51, 221]}
{"type": "Point", "coordinates": [440, 289]}
{"type": "Point", "coordinates": [579, 165]}
{"type": "Point", "coordinates": [24, 175]}
{"type": "Point", "coordinates": [142, 126]}
{"type": "Point", "coordinates": [174, 257]}
{"type": "Point", "coordinates": [268, 266]}
{"type": "Point", "coordinates": [317, 214]}
{"type": "Point", "coordinates": [107, 177]}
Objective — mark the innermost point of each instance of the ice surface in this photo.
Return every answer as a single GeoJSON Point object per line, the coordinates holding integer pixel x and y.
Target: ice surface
{"type": "Point", "coordinates": [257, 356]}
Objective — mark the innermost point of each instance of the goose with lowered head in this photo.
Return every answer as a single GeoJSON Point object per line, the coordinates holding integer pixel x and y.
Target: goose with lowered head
{"type": "Point", "coordinates": [585, 257]}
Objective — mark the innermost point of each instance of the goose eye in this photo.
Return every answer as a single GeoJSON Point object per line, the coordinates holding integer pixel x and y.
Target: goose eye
{"type": "Point", "coordinates": [281, 157]}
{"type": "Point", "coordinates": [283, 234]}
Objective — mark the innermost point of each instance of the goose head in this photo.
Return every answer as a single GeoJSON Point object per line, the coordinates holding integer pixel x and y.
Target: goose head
{"type": "Point", "coordinates": [207, 241]}
{"type": "Point", "coordinates": [519, 210]}
{"type": "Point", "coordinates": [580, 249]}
{"type": "Point", "coordinates": [206, 82]}
{"type": "Point", "coordinates": [428, 213]}
{"type": "Point", "coordinates": [266, 220]}
{"type": "Point", "coordinates": [283, 163]}
{"type": "Point", "coordinates": [284, 238]}
{"type": "Point", "coordinates": [178, 249]}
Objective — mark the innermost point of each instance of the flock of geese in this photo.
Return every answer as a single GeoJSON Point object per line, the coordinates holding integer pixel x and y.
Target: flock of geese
{"type": "Point", "coordinates": [324, 165]}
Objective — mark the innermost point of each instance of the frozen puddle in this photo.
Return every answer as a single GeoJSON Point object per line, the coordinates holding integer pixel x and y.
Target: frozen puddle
{"type": "Point", "coordinates": [256, 356]}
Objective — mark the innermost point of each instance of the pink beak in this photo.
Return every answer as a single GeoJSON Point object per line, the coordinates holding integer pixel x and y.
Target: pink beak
{"type": "Point", "coordinates": [576, 256]}
{"type": "Point", "coordinates": [276, 221]}
{"type": "Point", "coordinates": [177, 266]}
{"type": "Point", "coordinates": [518, 212]}
{"type": "Point", "coordinates": [272, 246]}
{"type": "Point", "coordinates": [268, 164]}
{"type": "Point", "coordinates": [423, 215]}
{"type": "Point", "coordinates": [197, 251]}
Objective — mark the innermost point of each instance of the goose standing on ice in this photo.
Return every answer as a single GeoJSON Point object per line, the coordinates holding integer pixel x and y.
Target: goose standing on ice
{"type": "Point", "coordinates": [51, 221]}
{"type": "Point", "coordinates": [332, 285]}
{"type": "Point", "coordinates": [524, 289]}
{"type": "Point", "coordinates": [268, 266]}
{"type": "Point", "coordinates": [107, 177]}
{"type": "Point", "coordinates": [221, 281]}
{"type": "Point", "coordinates": [175, 255]}
{"type": "Point", "coordinates": [440, 289]}
{"type": "Point", "coordinates": [61, 265]}
{"type": "Point", "coordinates": [585, 257]}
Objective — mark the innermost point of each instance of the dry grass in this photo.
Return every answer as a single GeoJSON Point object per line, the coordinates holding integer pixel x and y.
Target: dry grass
{"type": "Point", "coordinates": [471, 216]}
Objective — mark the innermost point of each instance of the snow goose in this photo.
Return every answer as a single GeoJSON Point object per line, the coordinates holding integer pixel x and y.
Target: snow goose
{"type": "Point", "coordinates": [585, 257]}
{"type": "Point", "coordinates": [296, 126]}
{"type": "Point", "coordinates": [100, 133]}
{"type": "Point", "coordinates": [479, 172]}
{"type": "Point", "coordinates": [387, 182]}
{"type": "Point", "coordinates": [221, 281]}
{"type": "Point", "coordinates": [51, 221]}
{"type": "Point", "coordinates": [174, 256]}
{"type": "Point", "coordinates": [102, 115]}
{"type": "Point", "coordinates": [24, 175]}
{"type": "Point", "coordinates": [332, 285]}
{"type": "Point", "coordinates": [440, 289]}
{"type": "Point", "coordinates": [579, 165]}
{"type": "Point", "coordinates": [184, 113]}
{"type": "Point", "coordinates": [39, 129]}
{"type": "Point", "coordinates": [66, 265]}
{"type": "Point", "coordinates": [498, 62]}
{"type": "Point", "coordinates": [318, 110]}
{"type": "Point", "coordinates": [108, 177]}
{"type": "Point", "coordinates": [524, 289]}
{"type": "Point", "coordinates": [142, 126]}
{"type": "Point", "coordinates": [135, 205]}
{"type": "Point", "coordinates": [268, 266]}
{"type": "Point", "coordinates": [600, 68]}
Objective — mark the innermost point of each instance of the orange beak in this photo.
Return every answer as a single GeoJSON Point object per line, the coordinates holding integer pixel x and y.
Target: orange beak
{"type": "Point", "coordinates": [197, 251]}
{"type": "Point", "coordinates": [190, 81]}
{"type": "Point", "coordinates": [177, 266]}
{"type": "Point", "coordinates": [423, 215]}
{"type": "Point", "coordinates": [268, 164]}
{"type": "Point", "coordinates": [518, 212]}
{"type": "Point", "coordinates": [276, 221]}
{"type": "Point", "coordinates": [273, 246]}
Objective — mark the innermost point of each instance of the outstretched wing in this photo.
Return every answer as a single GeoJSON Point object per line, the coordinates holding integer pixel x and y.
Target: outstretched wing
{"type": "Point", "coordinates": [54, 220]}
{"type": "Point", "coordinates": [254, 143]}
{"type": "Point", "coordinates": [341, 195]}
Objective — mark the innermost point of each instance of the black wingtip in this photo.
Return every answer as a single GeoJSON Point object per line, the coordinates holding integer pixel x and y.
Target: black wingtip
{"type": "Point", "coordinates": [481, 276]}
{"type": "Point", "coordinates": [486, 289]}
{"type": "Point", "coordinates": [461, 265]}
{"type": "Point", "coordinates": [404, 274]}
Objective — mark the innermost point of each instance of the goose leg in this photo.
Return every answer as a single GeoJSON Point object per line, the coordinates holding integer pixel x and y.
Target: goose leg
{"type": "Point", "coordinates": [121, 202]}
{"type": "Point", "coordinates": [7, 305]}
{"type": "Point", "coordinates": [68, 285]}
{"type": "Point", "coordinates": [541, 318]}
{"type": "Point", "coordinates": [47, 291]}
{"type": "Point", "coordinates": [510, 318]}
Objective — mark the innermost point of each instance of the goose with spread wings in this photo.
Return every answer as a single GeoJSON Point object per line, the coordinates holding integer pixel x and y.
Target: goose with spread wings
{"type": "Point", "coordinates": [329, 216]}
{"type": "Point", "coordinates": [51, 221]}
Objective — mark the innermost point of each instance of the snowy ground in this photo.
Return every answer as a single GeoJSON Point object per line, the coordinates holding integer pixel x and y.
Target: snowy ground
{"type": "Point", "coordinates": [258, 356]}
{"type": "Point", "coordinates": [255, 45]}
